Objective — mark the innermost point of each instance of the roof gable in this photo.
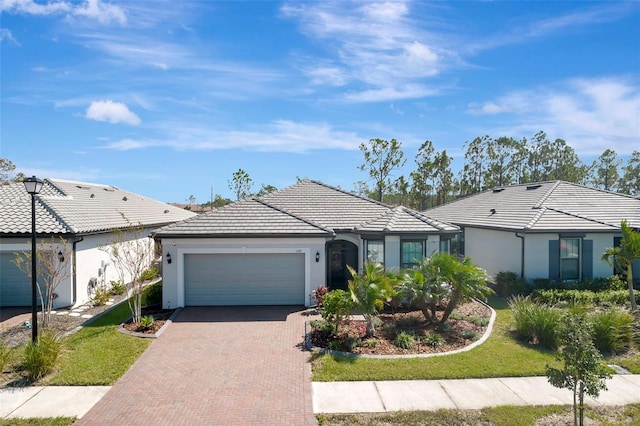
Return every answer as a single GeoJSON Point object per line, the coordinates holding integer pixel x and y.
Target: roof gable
{"type": "Point", "coordinates": [326, 205]}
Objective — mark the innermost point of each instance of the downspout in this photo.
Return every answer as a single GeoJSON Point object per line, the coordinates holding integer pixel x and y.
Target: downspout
{"type": "Point", "coordinates": [74, 279]}
{"type": "Point", "coordinates": [521, 255]}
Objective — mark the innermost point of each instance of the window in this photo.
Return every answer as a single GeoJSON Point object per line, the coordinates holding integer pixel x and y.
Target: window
{"type": "Point", "coordinates": [375, 251]}
{"type": "Point", "coordinates": [411, 253]}
{"type": "Point", "coordinates": [570, 258]}
{"type": "Point", "coordinates": [444, 246]}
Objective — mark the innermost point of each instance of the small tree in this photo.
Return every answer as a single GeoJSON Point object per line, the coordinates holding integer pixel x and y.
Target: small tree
{"type": "Point", "coordinates": [381, 159]}
{"type": "Point", "coordinates": [623, 257]}
{"type": "Point", "coordinates": [583, 370]}
{"type": "Point", "coordinates": [370, 290]}
{"type": "Point", "coordinates": [241, 184]}
{"type": "Point", "coordinates": [131, 252]}
{"type": "Point", "coordinates": [53, 266]}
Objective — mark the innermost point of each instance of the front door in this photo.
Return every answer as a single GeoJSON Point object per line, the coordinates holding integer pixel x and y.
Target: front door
{"type": "Point", "coordinates": [340, 254]}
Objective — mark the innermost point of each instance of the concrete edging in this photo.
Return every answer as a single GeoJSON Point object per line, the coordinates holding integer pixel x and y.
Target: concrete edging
{"type": "Point", "coordinates": [123, 330]}
{"type": "Point", "coordinates": [475, 344]}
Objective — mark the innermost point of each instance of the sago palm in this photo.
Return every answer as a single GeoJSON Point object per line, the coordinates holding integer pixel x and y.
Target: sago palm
{"type": "Point", "coordinates": [370, 290]}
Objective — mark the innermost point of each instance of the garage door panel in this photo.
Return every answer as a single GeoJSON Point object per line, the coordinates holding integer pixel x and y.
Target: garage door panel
{"type": "Point", "coordinates": [15, 285]}
{"type": "Point", "coordinates": [244, 279]}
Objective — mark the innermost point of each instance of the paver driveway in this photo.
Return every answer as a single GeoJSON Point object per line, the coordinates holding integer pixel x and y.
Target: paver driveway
{"type": "Point", "coordinates": [217, 366]}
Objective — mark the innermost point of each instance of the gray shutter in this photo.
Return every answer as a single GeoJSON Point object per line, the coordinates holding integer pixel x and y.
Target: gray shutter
{"type": "Point", "coordinates": [554, 259]}
{"type": "Point", "coordinates": [587, 259]}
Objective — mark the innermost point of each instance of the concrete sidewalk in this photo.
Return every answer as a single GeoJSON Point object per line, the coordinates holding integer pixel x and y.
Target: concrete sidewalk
{"type": "Point", "coordinates": [427, 395]}
{"type": "Point", "coordinates": [352, 397]}
{"type": "Point", "coordinates": [49, 401]}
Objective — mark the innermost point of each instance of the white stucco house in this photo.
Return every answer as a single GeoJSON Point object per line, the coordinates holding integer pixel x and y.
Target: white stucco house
{"type": "Point", "coordinates": [553, 230]}
{"type": "Point", "coordinates": [274, 250]}
{"type": "Point", "coordinates": [85, 215]}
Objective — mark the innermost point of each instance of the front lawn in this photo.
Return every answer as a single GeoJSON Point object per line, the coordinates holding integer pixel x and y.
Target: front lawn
{"type": "Point", "coordinates": [500, 356]}
{"type": "Point", "coordinates": [98, 354]}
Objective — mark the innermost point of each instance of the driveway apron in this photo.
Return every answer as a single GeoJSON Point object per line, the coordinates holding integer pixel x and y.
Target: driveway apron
{"type": "Point", "coordinates": [217, 366]}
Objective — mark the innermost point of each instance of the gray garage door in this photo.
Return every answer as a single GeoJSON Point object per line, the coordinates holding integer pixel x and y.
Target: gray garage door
{"type": "Point", "coordinates": [15, 285]}
{"type": "Point", "coordinates": [244, 279]}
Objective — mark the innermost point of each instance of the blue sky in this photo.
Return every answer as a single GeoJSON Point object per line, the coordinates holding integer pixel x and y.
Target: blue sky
{"type": "Point", "coordinates": [169, 98]}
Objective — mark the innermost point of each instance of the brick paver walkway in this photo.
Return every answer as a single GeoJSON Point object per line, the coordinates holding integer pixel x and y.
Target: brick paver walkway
{"type": "Point", "coordinates": [217, 366]}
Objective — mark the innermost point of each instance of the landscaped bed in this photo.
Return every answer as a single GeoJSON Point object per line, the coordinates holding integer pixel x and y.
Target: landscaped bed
{"type": "Point", "coordinates": [465, 326]}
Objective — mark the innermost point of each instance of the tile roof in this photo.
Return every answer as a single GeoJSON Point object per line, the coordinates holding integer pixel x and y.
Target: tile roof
{"type": "Point", "coordinates": [403, 220]}
{"type": "Point", "coordinates": [304, 209]}
{"type": "Point", "coordinates": [543, 207]}
{"type": "Point", "coordinates": [247, 218]}
{"type": "Point", "coordinates": [67, 207]}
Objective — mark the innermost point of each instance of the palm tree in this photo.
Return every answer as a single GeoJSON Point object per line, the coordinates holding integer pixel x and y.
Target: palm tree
{"type": "Point", "coordinates": [370, 290]}
{"type": "Point", "coordinates": [422, 287]}
{"type": "Point", "coordinates": [622, 257]}
{"type": "Point", "coordinates": [466, 280]}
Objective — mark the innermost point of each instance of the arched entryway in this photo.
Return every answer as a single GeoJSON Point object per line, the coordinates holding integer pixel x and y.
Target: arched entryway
{"type": "Point", "coordinates": [340, 253]}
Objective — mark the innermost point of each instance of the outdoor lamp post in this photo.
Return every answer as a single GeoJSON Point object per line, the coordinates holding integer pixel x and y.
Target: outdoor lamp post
{"type": "Point", "coordinates": [33, 185]}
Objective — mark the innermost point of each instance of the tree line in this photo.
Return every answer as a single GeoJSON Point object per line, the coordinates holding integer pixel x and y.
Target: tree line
{"type": "Point", "coordinates": [488, 163]}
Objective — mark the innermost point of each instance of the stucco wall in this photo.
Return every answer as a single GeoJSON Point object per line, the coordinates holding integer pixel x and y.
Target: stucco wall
{"type": "Point", "coordinates": [173, 274]}
{"type": "Point", "coordinates": [494, 251]}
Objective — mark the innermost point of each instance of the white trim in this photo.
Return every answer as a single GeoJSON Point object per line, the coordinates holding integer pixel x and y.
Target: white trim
{"type": "Point", "coordinates": [242, 250]}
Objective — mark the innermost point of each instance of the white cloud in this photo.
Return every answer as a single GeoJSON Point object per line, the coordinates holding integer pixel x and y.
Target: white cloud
{"type": "Point", "coordinates": [588, 113]}
{"type": "Point", "coordinates": [411, 91]}
{"type": "Point", "coordinates": [30, 7]}
{"type": "Point", "coordinates": [102, 12]}
{"type": "Point", "coordinates": [5, 34]}
{"type": "Point", "coordinates": [95, 9]}
{"type": "Point", "coordinates": [379, 45]}
{"type": "Point", "coordinates": [113, 112]}
{"type": "Point", "coordinates": [277, 136]}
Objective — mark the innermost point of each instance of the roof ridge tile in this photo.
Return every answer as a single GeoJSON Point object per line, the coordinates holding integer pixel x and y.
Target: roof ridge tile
{"type": "Point", "coordinates": [307, 221]}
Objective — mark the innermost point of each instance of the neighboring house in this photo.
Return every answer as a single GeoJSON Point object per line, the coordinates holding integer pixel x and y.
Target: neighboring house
{"type": "Point", "coordinates": [274, 250]}
{"type": "Point", "coordinates": [85, 215]}
{"type": "Point", "coordinates": [554, 230]}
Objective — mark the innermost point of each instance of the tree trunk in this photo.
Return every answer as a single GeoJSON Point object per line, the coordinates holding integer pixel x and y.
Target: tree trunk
{"type": "Point", "coordinates": [453, 302]}
{"type": "Point", "coordinates": [575, 405]}
{"type": "Point", "coordinates": [371, 329]}
{"type": "Point", "coordinates": [581, 403]}
{"type": "Point", "coordinates": [632, 297]}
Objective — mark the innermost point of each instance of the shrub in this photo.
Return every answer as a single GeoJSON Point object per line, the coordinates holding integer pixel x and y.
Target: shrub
{"type": "Point", "coordinates": [479, 321]}
{"type": "Point", "coordinates": [116, 288]}
{"type": "Point", "coordinates": [469, 335]}
{"type": "Point", "coordinates": [612, 330]}
{"type": "Point", "coordinates": [40, 358]}
{"type": "Point", "coordinates": [100, 297]}
{"type": "Point", "coordinates": [149, 274]}
{"type": "Point", "coordinates": [146, 323]}
{"type": "Point", "coordinates": [153, 294]}
{"type": "Point", "coordinates": [434, 340]}
{"type": "Point", "coordinates": [5, 356]}
{"type": "Point", "coordinates": [509, 284]}
{"type": "Point", "coordinates": [337, 305]}
{"type": "Point", "coordinates": [318, 295]}
{"type": "Point", "coordinates": [323, 326]}
{"type": "Point", "coordinates": [372, 343]}
{"type": "Point", "coordinates": [404, 340]}
{"type": "Point", "coordinates": [535, 323]}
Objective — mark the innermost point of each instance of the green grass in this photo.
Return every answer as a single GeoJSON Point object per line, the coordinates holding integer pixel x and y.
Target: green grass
{"type": "Point", "coordinates": [50, 421]}
{"type": "Point", "coordinates": [631, 363]}
{"type": "Point", "coordinates": [500, 356]}
{"type": "Point", "coordinates": [499, 416]}
{"type": "Point", "coordinates": [99, 354]}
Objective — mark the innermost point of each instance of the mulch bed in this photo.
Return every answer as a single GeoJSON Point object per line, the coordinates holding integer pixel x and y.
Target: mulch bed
{"type": "Point", "coordinates": [160, 317]}
{"type": "Point", "coordinates": [457, 333]}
